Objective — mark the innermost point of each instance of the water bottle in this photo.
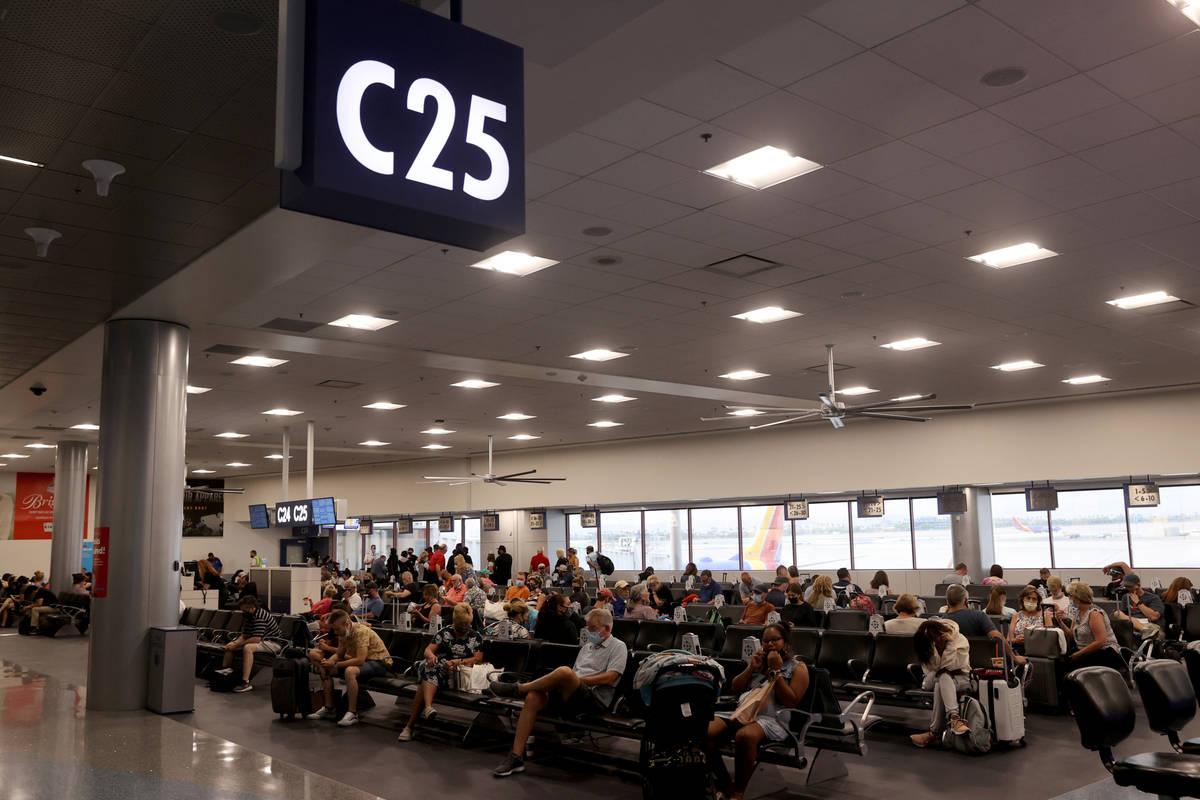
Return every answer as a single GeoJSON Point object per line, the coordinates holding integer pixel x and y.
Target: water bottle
{"type": "Point", "coordinates": [750, 646]}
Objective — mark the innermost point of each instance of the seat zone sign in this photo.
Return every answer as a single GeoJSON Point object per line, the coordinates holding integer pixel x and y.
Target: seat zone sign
{"type": "Point", "coordinates": [406, 122]}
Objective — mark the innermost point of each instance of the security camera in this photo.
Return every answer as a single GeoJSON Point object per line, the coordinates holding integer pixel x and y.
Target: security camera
{"type": "Point", "coordinates": [37, 389]}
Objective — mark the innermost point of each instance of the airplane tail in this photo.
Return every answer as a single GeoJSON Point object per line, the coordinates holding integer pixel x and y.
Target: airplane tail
{"type": "Point", "coordinates": [763, 552]}
{"type": "Point", "coordinates": [1022, 526]}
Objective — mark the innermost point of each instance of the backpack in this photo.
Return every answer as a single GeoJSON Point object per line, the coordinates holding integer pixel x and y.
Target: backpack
{"type": "Point", "coordinates": [604, 563]}
{"type": "Point", "coordinates": [979, 740]}
{"type": "Point", "coordinates": [861, 602]}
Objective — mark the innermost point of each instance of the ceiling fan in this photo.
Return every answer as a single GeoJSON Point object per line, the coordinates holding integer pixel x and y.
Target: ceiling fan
{"type": "Point", "coordinates": [838, 412]}
{"type": "Point", "coordinates": [489, 476]}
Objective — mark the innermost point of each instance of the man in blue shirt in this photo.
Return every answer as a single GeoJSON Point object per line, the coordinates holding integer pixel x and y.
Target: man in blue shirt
{"type": "Point", "coordinates": [372, 607]}
{"type": "Point", "coordinates": [709, 589]}
{"type": "Point", "coordinates": [972, 621]}
{"type": "Point", "coordinates": [216, 563]}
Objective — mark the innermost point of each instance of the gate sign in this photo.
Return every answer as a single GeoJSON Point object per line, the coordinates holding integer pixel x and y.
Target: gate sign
{"type": "Point", "coordinates": [796, 509]}
{"type": "Point", "coordinates": [870, 506]}
{"type": "Point", "coordinates": [1041, 499]}
{"type": "Point", "coordinates": [952, 502]}
{"type": "Point", "coordinates": [406, 122]}
{"type": "Point", "coordinates": [1141, 495]}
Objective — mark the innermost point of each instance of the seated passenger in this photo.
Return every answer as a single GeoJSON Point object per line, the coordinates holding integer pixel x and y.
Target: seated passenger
{"type": "Point", "coordinates": [80, 584]}
{"type": "Point", "coordinates": [638, 605]}
{"type": "Point", "coordinates": [351, 596]}
{"type": "Point", "coordinates": [709, 589]}
{"type": "Point", "coordinates": [1171, 595]}
{"type": "Point", "coordinates": [690, 578]}
{"type": "Point", "coordinates": [586, 688]}
{"type": "Point", "coordinates": [1145, 608]}
{"type": "Point", "coordinates": [578, 595]}
{"type": "Point", "coordinates": [757, 607]}
{"type": "Point", "coordinates": [776, 594]}
{"type": "Point", "coordinates": [844, 585]}
{"type": "Point", "coordinates": [258, 626]}
{"type": "Point", "coordinates": [772, 666]}
{"type": "Point", "coordinates": [554, 623]}
{"type": "Point", "coordinates": [796, 612]}
{"type": "Point", "coordinates": [456, 646]}
{"type": "Point", "coordinates": [944, 654]}
{"type": "Point", "coordinates": [745, 586]}
{"type": "Point", "coordinates": [1056, 595]}
{"type": "Point", "coordinates": [361, 655]}
{"type": "Point", "coordinates": [322, 606]}
{"type": "Point", "coordinates": [879, 584]}
{"type": "Point", "coordinates": [620, 594]}
{"type": "Point", "coordinates": [996, 603]}
{"type": "Point", "coordinates": [959, 575]}
{"type": "Point", "coordinates": [516, 623]}
{"type": "Point", "coordinates": [972, 622]}
{"type": "Point", "coordinates": [995, 576]}
{"type": "Point", "coordinates": [536, 594]}
{"type": "Point", "coordinates": [428, 609]}
{"type": "Point", "coordinates": [475, 597]}
{"type": "Point", "coordinates": [42, 602]}
{"type": "Point", "coordinates": [1092, 633]}
{"type": "Point", "coordinates": [820, 594]}
{"type": "Point", "coordinates": [659, 597]}
{"type": "Point", "coordinates": [372, 607]}
{"type": "Point", "coordinates": [407, 591]}
{"type": "Point", "coordinates": [1030, 616]}
{"type": "Point", "coordinates": [1040, 581]}
{"type": "Point", "coordinates": [906, 620]}
{"type": "Point", "coordinates": [518, 591]}
{"type": "Point", "coordinates": [456, 591]}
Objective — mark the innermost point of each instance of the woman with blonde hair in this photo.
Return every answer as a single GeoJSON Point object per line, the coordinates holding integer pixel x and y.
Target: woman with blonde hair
{"type": "Point", "coordinates": [821, 590]}
{"type": "Point", "coordinates": [515, 625]}
{"type": "Point", "coordinates": [458, 645]}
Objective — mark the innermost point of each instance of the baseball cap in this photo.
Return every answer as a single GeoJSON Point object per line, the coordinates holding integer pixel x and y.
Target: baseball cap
{"type": "Point", "coordinates": [763, 587]}
{"type": "Point", "coordinates": [621, 584]}
{"type": "Point", "coordinates": [1132, 579]}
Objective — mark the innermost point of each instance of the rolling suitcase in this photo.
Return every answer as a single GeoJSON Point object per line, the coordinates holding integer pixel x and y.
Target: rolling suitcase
{"type": "Point", "coordinates": [1002, 695]}
{"type": "Point", "coordinates": [290, 695]}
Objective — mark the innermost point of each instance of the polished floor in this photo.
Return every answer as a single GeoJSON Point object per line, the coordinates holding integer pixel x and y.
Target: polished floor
{"type": "Point", "coordinates": [233, 747]}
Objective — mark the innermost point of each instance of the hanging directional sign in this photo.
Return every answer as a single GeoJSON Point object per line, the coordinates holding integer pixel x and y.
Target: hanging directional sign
{"type": "Point", "coordinates": [396, 118]}
{"type": "Point", "coordinates": [795, 509]}
{"type": "Point", "coordinates": [1041, 499]}
{"type": "Point", "coordinates": [1141, 495]}
{"type": "Point", "coordinates": [870, 506]}
{"type": "Point", "coordinates": [952, 502]}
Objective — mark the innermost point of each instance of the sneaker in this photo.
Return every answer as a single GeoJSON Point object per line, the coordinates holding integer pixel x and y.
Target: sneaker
{"type": "Point", "coordinates": [324, 713]}
{"type": "Point", "coordinates": [504, 689]}
{"type": "Point", "coordinates": [923, 739]}
{"type": "Point", "coordinates": [226, 671]}
{"type": "Point", "coordinates": [512, 764]}
{"type": "Point", "coordinates": [244, 686]}
{"type": "Point", "coordinates": [959, 726]}
{"type": "Point", "coordinates": [406, 735]}
{"type": "Point", "coordinates": [429, 713]}
{"type": "Point", "coordinates": [349, 719]}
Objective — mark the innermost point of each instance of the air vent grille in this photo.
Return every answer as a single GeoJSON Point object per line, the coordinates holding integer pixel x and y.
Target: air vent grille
{"type": "Point", "coordinates": [332, 384]}
{"type": "Point", "coordinates": [290, 325]}
{"type": "Point", "coordinates": [742, 266]}
{"type": "Point", "coordinates": [230, 350]}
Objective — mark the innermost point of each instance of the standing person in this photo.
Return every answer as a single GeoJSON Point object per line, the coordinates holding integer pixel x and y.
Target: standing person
{"type": "Point", "coordinates": [945, 657]}
{"type": "Point", "coordinates": [592, 559]}
{"type": "Point", "coordinates": [502, 567]}
{"type": "Point", "coordinates": [538, 561]}
{"type": "Point", "coordinates": [260, 627]}
{"type": "Point", "coordinates": [437, 560]}
{"type": "Point", "coordinates": [562, 559]}
{"type": "Point", "coordinates": [458, 645]}
{"type": "Point", "coordinates": [255, 561]}
{"type": "Point", "coordinates": [379, 570]}
{"type": "Point", "coordinates": [573, 558]}
{"type": "Point", "coordinates": [393, 565]}
{"type": "Point", "coordinates": [361, 655]}
{"type": "Point", "coordinates": [369, 558]}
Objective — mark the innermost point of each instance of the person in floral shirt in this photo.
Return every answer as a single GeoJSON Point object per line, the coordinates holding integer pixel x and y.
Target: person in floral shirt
{"type": "Point", "coordinates": [457, 646]}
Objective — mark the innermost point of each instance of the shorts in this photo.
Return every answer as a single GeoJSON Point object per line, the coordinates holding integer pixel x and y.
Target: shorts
{"type": "Point", "coordinates": [582, 701]}
{"type": "Point", "coordinates": [372, 669]}
{"type": "Point", "coordinates": [773, 729]}
{"type": "Point", "coordinates": [273, 648]}
{"type": "Point", "coordinates": [438, 675]}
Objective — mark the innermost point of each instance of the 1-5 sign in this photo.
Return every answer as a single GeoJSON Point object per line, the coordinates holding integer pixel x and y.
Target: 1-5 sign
{"type": "Point", "coordinates": [407, 122]}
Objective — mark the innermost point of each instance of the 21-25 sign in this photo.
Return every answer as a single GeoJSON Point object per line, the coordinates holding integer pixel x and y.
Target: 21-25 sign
{"type": "Point", "coordinates": [406, 122]}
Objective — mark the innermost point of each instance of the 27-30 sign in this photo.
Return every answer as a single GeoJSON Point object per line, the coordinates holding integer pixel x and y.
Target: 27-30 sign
{"type": "Point", "coordinates": [407, 122]}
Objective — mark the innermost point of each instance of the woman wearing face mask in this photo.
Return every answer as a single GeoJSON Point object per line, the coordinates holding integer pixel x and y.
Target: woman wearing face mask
{"type": "Point", "coordinates": [1029, 617]}
{"type": "Point", "coordinates": [456, 646]}
{"type": "Point", "coordinates": [515, 625]}
{"type": "Point", "coordinates": [796, 612]}
{"type": "Point", "coordinates": [536, 596]}
{"type": "Point", "coordinates": [773, 665]}
{"type": "Point", "coordinates": [757, 607]}
{"type": "Point", "coordinates": [554, 623]}
{"type": "Point", "coordinates": [944, 654]}
{"type": "Point", "coordinates": [518, 590]}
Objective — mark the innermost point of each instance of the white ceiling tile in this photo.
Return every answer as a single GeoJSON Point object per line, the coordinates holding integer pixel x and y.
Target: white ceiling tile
{"type": "Point", "coordinates": [705, 146]}
{"type": "Point", "coordinates": [886, 246]}
{"type": "Point", "coordinates": [863, 202]}
{"type": "Point", "coordinates": [589, 196]}
{"type": "Point", "coordinates": [1181, 243]}
{"type": "Point", "coordinates": [1009, 155]}
{"type": "Point", "coordinates": [580, 154]}
{"type": "Point", "coordinates": [654, 244]}
{"type": "Point", "coordinates": [816, 186]}
{"type": "Point", "coordinates": [887, 161]}
{"type": "Point", "coordinates": [790, 52]}
{"type": "Point", "coordinates": [928, 181]}
{"type": "Point", "coordinates": [640, 267]}
{"type": "Point", "coordinates": [1184, 195]}
{"type": "Point", "coordinates": [700, 280]}
{"type": "Point", "coordinates": [956, 50]}
{"type": "Point", "coordinates": [648, 211]}
{"type": "Point", "coordinates": [991, 204]}
{"type": "Point", "coordinates": [1105, 125]}
{"type": "Point", "coordinates": [776, 214]}
{"type": "Point", "coordinates": [809, 256]}
{"type": "Point", "coordinates": [842, 237]}
{"type": "Point", "coordinates": [700, 191]}
{"type": "Point", "coordinates": [1173, 103]}
{"type": "Point", "coordinates": [870, 22]}
{"type": "Point", "coordinates": [543, 218]}
{"type": "Point", "coordinates": [1188, 128]}
{"type": "Point", "coordinates": [1153, 68]}
{"type": "Point", "coordinates": [1153, 158]}
{"type": "Point", "coordinates": [592, 276]}
{"type": "Point", "coordinates": [640, 124]}
{"type": "Point", "coordinates": [1066, 99]}
{"type": "Point", "coordinates": [1065, 183]}
{"type": "Point", "coordinates": [885, 279]}
{"type": "Point", "coordinates": [643, 172]}
{"type": "Point", "coordinates": [873, 90]}
{"type": "Point", "coordinates": [541, 180]}
{"type": "Point", "coordinates": [922, 222]}
{"type": "Point", "coordinates": [1132, 215]}
{"type": "Point", "coordinates": [709, 228]}
{"type": "Point", "coordinates": [709, 91]}
{"type": "Point", "coordinates": [962, 135]}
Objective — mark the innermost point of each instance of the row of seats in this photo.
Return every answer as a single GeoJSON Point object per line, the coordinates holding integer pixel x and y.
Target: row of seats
{"type": "Point", "coordinates": [218, 627]}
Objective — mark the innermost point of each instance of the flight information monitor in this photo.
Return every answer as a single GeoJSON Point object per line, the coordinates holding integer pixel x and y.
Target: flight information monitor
{"type": "Point", "coordinates": [258, 516]}
{"type": "Point", "coordinates": [323, 512]}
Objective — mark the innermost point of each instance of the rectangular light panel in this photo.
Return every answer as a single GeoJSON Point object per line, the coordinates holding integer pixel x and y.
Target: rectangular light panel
{"type": "Point", "coordinates": [762, 168]}
{"type": "Point", "coordinates": [511, 262]}
{"type": "Point", "coordinates": [1012, 256]}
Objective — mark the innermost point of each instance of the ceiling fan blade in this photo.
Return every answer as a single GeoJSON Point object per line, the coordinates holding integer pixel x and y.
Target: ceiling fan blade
{"type": "Point", "coordinates": [782, 421]}
{"type": "Point", "coordinates": [962, 407]}
{"type": "Point", "coordinates": [536, 480]}
{"type": "Point", "coordinates": [787, 413]}
{"type": "Point", "coordinates": [828, 402]}
{"type": "Point", "coordinates": [837, 422]}
{"type": "Point", "coordinates": [894, 402]}
{"type": "Point", "coordinates": [515, 474]}
{"type": "Point", "coordinates": [770, 409]}
{"type": "Point", "coordinates": [450, 477]}
{"type": "Point", "coordinates": [900, 417]}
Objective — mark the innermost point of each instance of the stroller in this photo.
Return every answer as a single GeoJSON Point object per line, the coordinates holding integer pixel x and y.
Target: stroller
{"type": "Point", "coordinates": [679, 691]}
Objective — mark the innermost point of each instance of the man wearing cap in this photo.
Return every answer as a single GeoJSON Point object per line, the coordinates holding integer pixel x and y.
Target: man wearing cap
{"type": "Point", "coordinates": [757, 607]}
{"type": "Point", "coordinates": [1145, 608]}
{"type": "Point", "coordinates": [709, 589]}
{"type": "Point", "coordinates": [777, 596]}
{"type": "Point", "coordinates": [620, 595]}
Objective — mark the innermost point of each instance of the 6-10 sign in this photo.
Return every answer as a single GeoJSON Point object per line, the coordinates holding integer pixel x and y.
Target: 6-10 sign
{"type": "Point", "coordinates": [405, 121]}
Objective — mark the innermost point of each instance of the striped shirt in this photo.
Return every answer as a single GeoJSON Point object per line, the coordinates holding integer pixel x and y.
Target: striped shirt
{"type": "Point", "coordinates": [262, 625]}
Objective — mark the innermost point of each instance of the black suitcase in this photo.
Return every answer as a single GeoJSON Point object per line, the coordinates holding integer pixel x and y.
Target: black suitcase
{"type": "Point", "coordinates": [290, 695]}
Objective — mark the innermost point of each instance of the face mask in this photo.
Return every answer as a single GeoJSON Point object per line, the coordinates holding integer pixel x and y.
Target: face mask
{"type": "Point", "coordinates": [758, 598]}
{"type": "Point", "coordinates": [520, 583]}
{"type": "Point", "coordinates": [794, 599]}
{"type": "Point", "coordinates": [595, 638]}
{"type": "Point", "coordinates": [461, 629]}
{"type": "Point", "coordinates": [1030, 605]}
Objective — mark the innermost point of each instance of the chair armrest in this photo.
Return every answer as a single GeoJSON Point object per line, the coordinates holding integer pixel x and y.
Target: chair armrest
{"type": "Point", "coordinates": [868, 698]}
{"type": "Point", "coordinates": [859, 668]}
{"type": "Point", "coordinates": [917, 673]}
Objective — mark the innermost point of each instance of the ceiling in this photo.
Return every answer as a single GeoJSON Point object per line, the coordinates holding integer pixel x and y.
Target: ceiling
{"type": "Point", "coordinates": [1095, 154]}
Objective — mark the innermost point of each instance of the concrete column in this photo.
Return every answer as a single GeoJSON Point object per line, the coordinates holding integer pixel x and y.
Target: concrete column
{"type": "Point", "coordinates": [308, 475]}
{"type": "Point", "coordinates": [971, 534]}
{"type": "Point", "coordinates": [143, 405]}
{"type": "Point", "coordinates": [70, 507]}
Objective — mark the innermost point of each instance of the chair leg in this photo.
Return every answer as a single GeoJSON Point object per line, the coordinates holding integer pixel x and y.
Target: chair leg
{"type": "Point", "coordinates": [826, 766]}
{"type": "Point", "coordinates": [484, 727]}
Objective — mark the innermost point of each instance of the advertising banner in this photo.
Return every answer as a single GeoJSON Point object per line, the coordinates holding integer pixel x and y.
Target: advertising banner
{"type": "Point", "coordinates": [100, 564]}
{"type": "Point", "coordinates": [203, 509]}
{"type": "Point", "coordinates": [33, 514]}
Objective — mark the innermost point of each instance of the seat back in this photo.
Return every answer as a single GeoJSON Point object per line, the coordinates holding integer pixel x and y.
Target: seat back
{"type": "Point", "coordinates": [205, 618]}
{"type": "Point", "coordinates": [698, 611]}
{"type": "Point", "coordinates": [1167, 694]}
{"type": "Point", "coordinates": [839, 647]}
{"type": "Point", "coordinates": [731, 614]}
{"type": "Point", "coordinates": [1103, 706]}
{"type": "Point", "coordinates": [806, 644]}
{"type": "Point", "coordinates": [983, 650]}
{"type": "Point", "coordinates": [1191, 659]}
{"type": "Point", "coordinates": [1123, 630]}
{"type": "Point", "coordinates": [893, 654]}
{"type": "Point", "coordinates": [820, 701]}
{"type": "Point", "coordinates": [711, 635]}
{"type": "Point", "coordinates": [235, 622]}
{"type": "Point", "coordinates": [191, 616]}
{"type": "Point", "coordinates": [219, 620]}
{"type": "Point", "coordinates": [626, 630]}
{"type": "Point", "coordinates": [406, 646]}
{"type": "Point", "coordinates": [735, 635]}
{"type": "Point", "coordinates": [1172, 620]}
{"type": "Point", "coordinates": [850, 620]}
{"type": "Point", "coordinates": [1191, 622]}
{"type": "Point", "coordinates": [660, 633]}
{"type": "Point", "coordinates": [549, 656]}
{"type": "Point", "coordinates": [510, 655]}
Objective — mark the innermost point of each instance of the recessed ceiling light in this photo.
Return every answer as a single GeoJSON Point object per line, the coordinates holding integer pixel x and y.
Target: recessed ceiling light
{"type": "Point", "coordinates": [915, 343]}
{"type": "Point", "coordinates": [524, 437]}
{"type": "Point", "coordinates": [904, 398]}
{"type": "Point", "coordinates": [599, 354]}
{"type": "Point", "coordinates": [767, 314]}
{"type": "Point", "coordinates": [763, 167]}
{"type": "Point", "coordinates": [513, 263]}
{"type": "Point", "coordinates": [203, 471]}
{"type": "Point", "coordinates": [237, 464]}
{"type": "Point", "coordinates": [85, 426]}
{"type": "Point", "coordinates": [258, 361]}
{"type": "Point", "coordinates": [198, 389]}
{"type": "Point", "coordinates": [384, 406]}
{"type": "Point", "coordinates": [613, 398]}
{"type": "Point", "coordinates": [438, 431]}
{"type": "Point", "coordinates": [1012, 256]}
{"type": "Point", "coordinates": [282, 412]}
{"type": "Point", "coordinates": [373, 443]}
{"type": "Point", "coordinates": [744, 375]}
{"type": "Point", "coordinates": [1017, 366]}
{"type": "Point", "coordinates": [13, 160]}
{"type": "Point", "coordinates": [435, 447]}
{"type": "Point", "coordinates": [41, 446]}
{"type": "Point", "coordinates": [1189, 8]}
{"type": "Point", "coordinates": [1005, 76]}
{"type": "Point", "coordinates": [1086, 379]}
{"type": "Point", "coordinates": [516, 415]}
{"type": "Point", "coordinates": [851, 391]}
{"type": "Point", "coordinates": [1143, 300]}
{"type": "Point", "coordinates": [474, 383]}
{"type": "Point", "coordinates": [276, 457]}
{"type": "Point", "coordinates": [5, 465]}
{"type": "Point", "coordinates": [230, 435]}
{"type": "Point", "coordinates": [362, 322]}
{"type": "Point", "coordinates": [746, 412]}
{"type": "Point", "coordinates": [14, 455]}
{"type": "Point", "coordinates": [605, 423]}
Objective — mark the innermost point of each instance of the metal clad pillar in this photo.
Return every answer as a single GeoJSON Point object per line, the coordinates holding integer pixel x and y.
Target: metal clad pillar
{"type": "Point", "coordinates": [143, 408]}
{"type": "Point", "coordinates": [971, 534]}
{"type": "Point", "coordinates": [287, 457]}
{"type": "Point", "coordinates": [70, 504]}
{"type": "Point", "coordinates": [308, 482]}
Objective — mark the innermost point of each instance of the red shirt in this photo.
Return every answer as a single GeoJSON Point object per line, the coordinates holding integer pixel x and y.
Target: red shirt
{"type": "Point", "coordinates": [437, 561]}
{"type": "Point", "coordinates": [538, 559]}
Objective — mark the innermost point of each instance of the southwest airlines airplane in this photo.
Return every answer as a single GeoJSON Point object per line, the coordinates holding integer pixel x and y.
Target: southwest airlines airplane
{"type": "Point", "coordinates": [763, 551]}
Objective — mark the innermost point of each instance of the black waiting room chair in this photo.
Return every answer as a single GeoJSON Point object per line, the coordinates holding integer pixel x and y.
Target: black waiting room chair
{"type": "Point", "coordinates": [1169, 700]}
{"type": "Point", "coordinates": [1104, 713]}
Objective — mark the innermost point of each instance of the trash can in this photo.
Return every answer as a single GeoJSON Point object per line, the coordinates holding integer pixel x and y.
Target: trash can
{"type": "Point", "coordinates": [170, 680]}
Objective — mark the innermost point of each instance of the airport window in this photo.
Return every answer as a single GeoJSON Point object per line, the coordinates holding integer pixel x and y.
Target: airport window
{"type": "Point", "coordinates": [1089, 529]}
{"type": "Point", "coordinates": [667, 539]}
{"type": "Point", "coordinates": [884, 542]}
{"type": "Point", "coordinates": [449, 538]}
{"type": "Point", "coordinates": [1169, 534]}
{"type": "Point", "coordinates": [472, 527]}
{"type": "Point", "coordinates": [715, 538]}
{"type": "Point", "coordinates": [1021, 538]}
{"type": "Point", "coordinates": [931, 532]}
{"type": "Point", "coordinates": [580, 538]}
{"type": "Point", "coordinates": [348, 549]}
{"type": "Point", "coordinates": [823, 540]}
{"type": "Point", "coordinates": [381, 537]}
{"type": "Point", "coordinates": [766, 538]}
{"type": "Point", "coordinates": [415, 540]}
{"type": "Point", "coordinates": [622, 535]}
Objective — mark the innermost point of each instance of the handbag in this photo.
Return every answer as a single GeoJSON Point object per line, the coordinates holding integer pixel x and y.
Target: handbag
{"type": "Point", "coordinates": [473, 678]}
{"type": "Point", "coordinates": [753, 702]}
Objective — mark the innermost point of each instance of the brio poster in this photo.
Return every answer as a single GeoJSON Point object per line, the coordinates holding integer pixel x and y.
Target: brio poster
{"type": "Point", "coordinates": [33, 511]}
